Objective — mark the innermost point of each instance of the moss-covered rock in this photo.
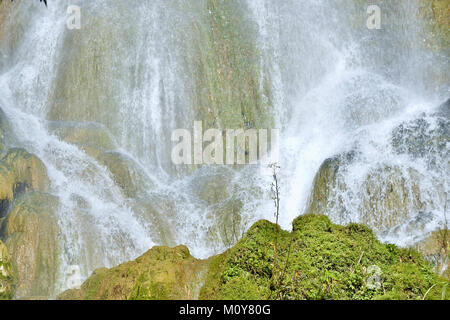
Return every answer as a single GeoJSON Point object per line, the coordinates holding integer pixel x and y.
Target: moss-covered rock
{"type": "Point", "coordinates": [318, 260]}
{"type": "Point", "coordinates": [87, 87]}
{"type": "Point", "coordinates": [31, 232]}
{"type": "Point", "coordinates": [160, 273]}
{"type": "Point", "coordinates": [7, 279]}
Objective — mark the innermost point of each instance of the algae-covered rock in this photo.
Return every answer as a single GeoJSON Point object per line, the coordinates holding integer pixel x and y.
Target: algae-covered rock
{"type": "Point", "coordinates": [229, 90]}
{"type": "Point", "coordinates": [318, 260]}
{"type": "Point", "coordinates": [160, 273]}
{"type": "Point", "coordinates": [7, 279]}
{"type": "Point", "coordinates": [87, 88]}
{"type": "Point", "coordinates": [31, 231]}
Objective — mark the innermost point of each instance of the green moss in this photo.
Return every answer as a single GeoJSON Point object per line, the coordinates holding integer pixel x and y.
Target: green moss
{"type": "Point", "coordinates": [161, 273]}
{"type": "Point", "coordinates": [318, 260]}
{"type": "Point", "coordinates": [7, 276]}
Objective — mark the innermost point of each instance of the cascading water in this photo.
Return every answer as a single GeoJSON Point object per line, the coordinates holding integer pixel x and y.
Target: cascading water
{"type": "Point", "coordinates": [141, 69]}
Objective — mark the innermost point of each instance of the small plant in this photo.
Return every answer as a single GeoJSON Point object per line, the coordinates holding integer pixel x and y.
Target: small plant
{"type": "Point", "coordinates": [275, 189]}
{"type": "Point", "coordinates": [278, 271]}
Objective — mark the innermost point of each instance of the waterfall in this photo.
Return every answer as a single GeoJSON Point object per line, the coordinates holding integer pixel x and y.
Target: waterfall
{"type": "Point", "coordinates": [137, 70]}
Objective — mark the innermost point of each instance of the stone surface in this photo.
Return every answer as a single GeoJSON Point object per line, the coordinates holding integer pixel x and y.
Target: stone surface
{"type": "Point", "coordinates": [31, 231]}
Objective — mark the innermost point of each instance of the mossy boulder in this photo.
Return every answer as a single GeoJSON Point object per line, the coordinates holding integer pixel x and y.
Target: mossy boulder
{"type": "Point", "coordinates": [319, 260]}
{"type": "Point", "coordinates": [7, 278]}
{"type": "Point", "coordinates": [160, 273]}
{"type": "Point", "coordinates": [31, 231]}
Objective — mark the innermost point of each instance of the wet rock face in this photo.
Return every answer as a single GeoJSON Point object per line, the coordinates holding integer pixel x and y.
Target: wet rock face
{"type": "Point", "coordinates": [159, 211]}
{"type": "Point", "coordinates": [424, 137]}
{"type": "Point", "coordinates": [20, 172]}
{"type": "Point", "coordinates": [7, 279]}
{"type": "Point", "coordinates": [160, 273]}
{"type": "Point", "coordinates": [389, 196]}
{"type": "Point", "coordinates": [227, 228]}
{"type": "Point", "coordinates": [126, 173]}
{"type": "Point", "coordinates": [28, 170]}
{"type": "Point", "coordinates": [327, 184]}
{"type": "Point", "coordinates": [386, 197]}
{"type": "Point", "coordinates": [31, 233]}
{"type": "Point", "coordinates": [92, 137]}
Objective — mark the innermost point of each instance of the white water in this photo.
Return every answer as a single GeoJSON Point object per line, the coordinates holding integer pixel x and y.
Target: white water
{"type": "Point", "coordinates": [336, 86]}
